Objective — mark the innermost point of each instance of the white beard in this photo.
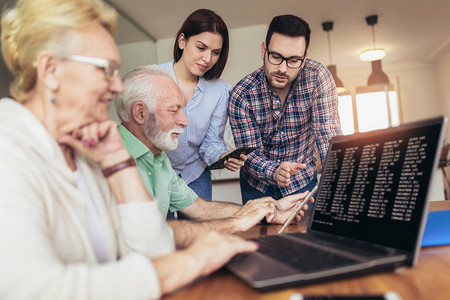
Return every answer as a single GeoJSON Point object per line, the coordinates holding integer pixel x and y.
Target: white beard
{"type": "Point", "coordinates": [162, 140]}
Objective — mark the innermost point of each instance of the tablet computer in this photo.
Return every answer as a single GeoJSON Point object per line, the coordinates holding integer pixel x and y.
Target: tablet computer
{"type": "Point", "coordinates": [236, 153]}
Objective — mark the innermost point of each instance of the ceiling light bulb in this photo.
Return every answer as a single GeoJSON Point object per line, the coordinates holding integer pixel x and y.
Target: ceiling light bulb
{"type": "Point", "coordinates": [340, 90]}
{"type": "Point", "coordinates": [372, 54]}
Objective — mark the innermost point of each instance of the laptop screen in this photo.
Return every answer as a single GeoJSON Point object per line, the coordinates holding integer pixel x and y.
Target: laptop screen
{"type": "Point", "coordinates": [374, 185]}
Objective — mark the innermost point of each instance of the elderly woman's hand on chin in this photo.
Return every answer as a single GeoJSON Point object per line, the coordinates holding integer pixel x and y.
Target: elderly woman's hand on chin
{"type": "Point", "coordinates": [99, 141]}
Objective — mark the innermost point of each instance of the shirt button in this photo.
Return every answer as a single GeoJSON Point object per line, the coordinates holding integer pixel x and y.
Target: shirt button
{"type": "Point", "coordinates": [278, 160]}
{"type": "Point", "coordinates": [149, 173]}
{"type": "Point", "coordinates": [148, 155]}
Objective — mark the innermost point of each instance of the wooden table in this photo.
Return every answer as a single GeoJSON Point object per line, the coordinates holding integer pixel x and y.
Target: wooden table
{"type": "Point", "coordinates": [429, 279]}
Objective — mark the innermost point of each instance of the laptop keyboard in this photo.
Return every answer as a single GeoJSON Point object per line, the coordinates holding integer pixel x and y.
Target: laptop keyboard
{"type": "Point", "coordinates": [355, 247]}
{"type": "Point", "coordinates": [299, 255]}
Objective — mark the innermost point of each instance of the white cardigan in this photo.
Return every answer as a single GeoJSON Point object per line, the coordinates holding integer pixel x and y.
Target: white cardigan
{"type": "Point", "coordinates": [45, 251]}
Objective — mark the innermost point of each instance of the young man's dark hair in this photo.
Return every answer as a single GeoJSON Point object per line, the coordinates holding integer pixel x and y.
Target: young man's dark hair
{"type": "Point", "coordinates": [289, 25]}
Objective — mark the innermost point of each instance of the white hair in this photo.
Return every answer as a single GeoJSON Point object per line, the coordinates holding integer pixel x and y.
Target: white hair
{"type": "Point", "coordinates": [139, 85]}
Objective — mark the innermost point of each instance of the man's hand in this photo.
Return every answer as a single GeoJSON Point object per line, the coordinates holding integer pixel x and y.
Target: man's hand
{"type": "Point", "coordinates": [284, 172]}
{"type": "Point", "coordinates": [254, 211]}
{"type": "Point", "coordinates": [286, 206]}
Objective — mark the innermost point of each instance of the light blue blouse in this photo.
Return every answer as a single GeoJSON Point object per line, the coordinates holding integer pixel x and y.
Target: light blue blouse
{"type": "Point", "coordinates": [202, 142]}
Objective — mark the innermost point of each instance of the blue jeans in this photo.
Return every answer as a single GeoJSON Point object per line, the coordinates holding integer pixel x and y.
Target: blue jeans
{"type": "Point", "coordinates": [249, 193]}
{"type": "Point", "coordinates": [202, 186]}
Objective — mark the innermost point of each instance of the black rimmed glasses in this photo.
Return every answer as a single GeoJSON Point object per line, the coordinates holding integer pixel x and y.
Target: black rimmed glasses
{"type": "Point", "coordinates": [111, 69]}
{"type": "Point", "coordinates": [293, 62]}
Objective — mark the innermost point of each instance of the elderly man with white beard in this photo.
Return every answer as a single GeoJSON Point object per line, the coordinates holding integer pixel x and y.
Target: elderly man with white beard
{"type": "Point", "coordinates": [151, 111]}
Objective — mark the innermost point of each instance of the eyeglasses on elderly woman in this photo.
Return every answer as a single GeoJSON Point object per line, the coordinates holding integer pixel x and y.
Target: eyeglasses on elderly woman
{"type": "Point", "coordinates": [110, 68]}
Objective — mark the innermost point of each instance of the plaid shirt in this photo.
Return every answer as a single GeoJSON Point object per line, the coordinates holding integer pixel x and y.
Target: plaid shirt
{"type": "Point", "coordinates": [295, 132]}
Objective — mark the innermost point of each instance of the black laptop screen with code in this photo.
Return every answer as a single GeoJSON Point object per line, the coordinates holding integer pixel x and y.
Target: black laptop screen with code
{"type": "Point", "coordinates": [374, 185]}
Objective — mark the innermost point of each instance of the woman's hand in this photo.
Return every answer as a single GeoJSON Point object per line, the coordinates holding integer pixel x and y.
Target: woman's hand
{"type": "Point", "coordinates": [99, 141]}
{"type": "Point", "coordinates": [206, 255]}
{"type": "Point", "coordinates": [234, 164]}
{"type": "Point", "coordinates": [213, 250]}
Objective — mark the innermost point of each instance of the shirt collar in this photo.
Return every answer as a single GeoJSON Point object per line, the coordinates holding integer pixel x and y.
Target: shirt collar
{"type": "Point", "coordinates": [134, 146]}
{"type": "Point", "coordinates": [265, 84]}
{"type": "Point", "coordinates": [172, 71]}
{"type": "Point", "coordinates": [201, 81]}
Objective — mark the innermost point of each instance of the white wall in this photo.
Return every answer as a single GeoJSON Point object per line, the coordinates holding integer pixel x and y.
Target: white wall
{"type": "Point", "coordinates": [164, 50]}
{"type": "Point", "coordinates": [442, 78]}
{"type": "Point", "coordinates": [245, 52]}
{"type": "Point", "coordinates": [137, 54]}
{"type": "Point", "coordinates": [134, 55]}
{"type": "Point", "coordinates": [418, 92]}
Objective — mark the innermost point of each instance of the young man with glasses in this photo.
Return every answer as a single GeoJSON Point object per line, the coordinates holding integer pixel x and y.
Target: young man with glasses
{"type": "Point", "coordinates": [288, 110]}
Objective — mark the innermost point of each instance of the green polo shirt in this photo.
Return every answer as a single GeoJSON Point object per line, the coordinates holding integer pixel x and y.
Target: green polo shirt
{"type": "Point", "coordinates": [157, 174]}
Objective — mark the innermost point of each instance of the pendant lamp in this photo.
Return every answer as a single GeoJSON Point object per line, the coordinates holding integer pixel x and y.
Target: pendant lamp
{"type": "Point", "coordinates": [328, 26]}
{"type": "Point", "coordinates": [375, 53]}
{"type": "Point", "coordinates": [377, 76]}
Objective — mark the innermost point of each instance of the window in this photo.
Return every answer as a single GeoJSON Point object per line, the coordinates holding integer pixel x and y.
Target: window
{"type": "Point", "coordinates": [370, 109]}
{"type": "Point", "coordinates": [346, 114]}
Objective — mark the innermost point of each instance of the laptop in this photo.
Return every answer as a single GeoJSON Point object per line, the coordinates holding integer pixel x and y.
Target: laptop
{"type": "Point", "coordinates": [369, 212]}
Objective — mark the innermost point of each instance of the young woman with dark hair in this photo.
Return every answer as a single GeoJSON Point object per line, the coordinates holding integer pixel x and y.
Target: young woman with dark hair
{"type": "Point", "coordinates": [200, 55]}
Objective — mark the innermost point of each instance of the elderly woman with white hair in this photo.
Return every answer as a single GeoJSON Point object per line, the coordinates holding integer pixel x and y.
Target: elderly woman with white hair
{"type": "Point", "coordinates": [75, 220]}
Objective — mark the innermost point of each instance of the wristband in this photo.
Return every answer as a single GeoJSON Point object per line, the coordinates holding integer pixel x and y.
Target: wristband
{"type": "Point", "coordinates": [119, 166]}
